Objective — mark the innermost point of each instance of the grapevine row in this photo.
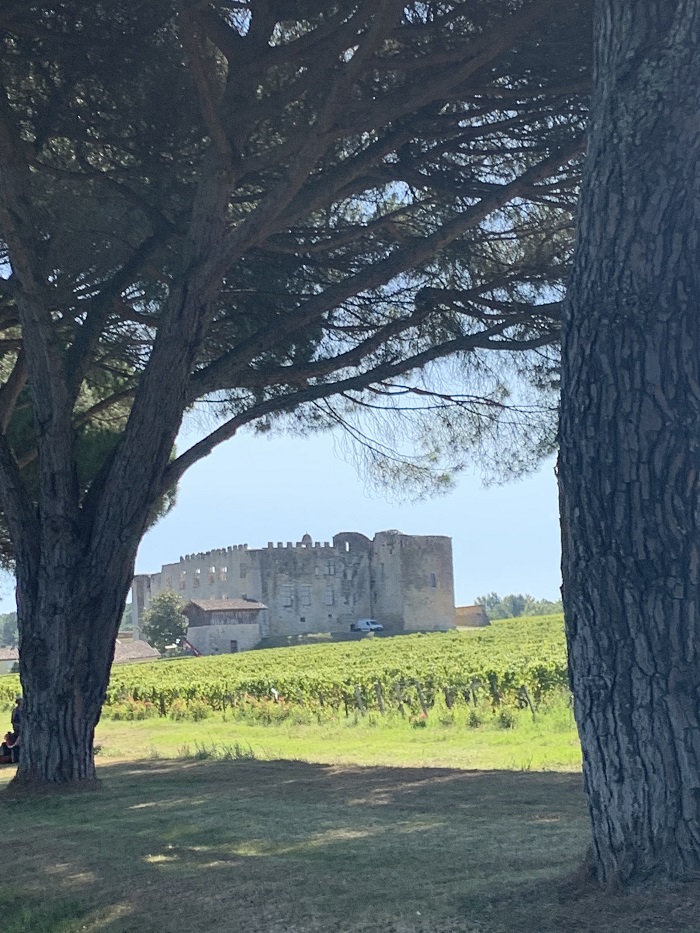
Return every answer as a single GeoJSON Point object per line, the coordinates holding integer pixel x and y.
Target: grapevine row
{"type": "Point", "coordinates": [494, 664]}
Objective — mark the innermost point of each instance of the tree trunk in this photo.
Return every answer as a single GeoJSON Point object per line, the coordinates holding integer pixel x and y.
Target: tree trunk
{"type": "Point", "coordinates": [630, 445]}
{"type": "Point", "coordinates": [68, 622]}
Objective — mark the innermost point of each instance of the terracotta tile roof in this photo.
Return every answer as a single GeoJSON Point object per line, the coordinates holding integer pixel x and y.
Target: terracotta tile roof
{"type": "Point", "coordinates": [123, 652]}
{"type": "Point", "coordinates": [134, 651]}
{"type": "Point", "coordinates": [217, 605]}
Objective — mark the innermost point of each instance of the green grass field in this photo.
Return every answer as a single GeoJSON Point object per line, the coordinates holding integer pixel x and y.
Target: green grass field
{"type": "Point", "coordinates": [548, 743]}
{"type": "Point", "coordinates": [297, 818]}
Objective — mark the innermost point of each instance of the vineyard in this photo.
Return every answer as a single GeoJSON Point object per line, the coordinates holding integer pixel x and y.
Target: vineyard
{"type": "Point", "coordinates": [513, 661]}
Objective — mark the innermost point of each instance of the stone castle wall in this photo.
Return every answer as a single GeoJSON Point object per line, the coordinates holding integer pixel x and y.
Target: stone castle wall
{"type": "Point", "coordinates": [405, 581]}
{"type": "Point", "coordinates": [413, 581]}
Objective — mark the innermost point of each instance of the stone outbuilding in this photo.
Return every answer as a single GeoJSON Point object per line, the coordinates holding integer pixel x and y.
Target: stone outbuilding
{"type": "Point", "coordinates": [224, 626]}
{"type": "Point", "coordinates": [8, 658]}
{"type": "Point", "coordinates": [129, 650]}
{"type": "Point", "coordinates": [471, 616]}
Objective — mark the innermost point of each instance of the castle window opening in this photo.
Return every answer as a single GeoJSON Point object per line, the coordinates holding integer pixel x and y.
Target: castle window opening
{"type": "Point", "coordinates": [433, 580]}
{"type": "Point", "coordinates": [305, 595]}
{"type": "Point", "coordinates": [197, 577]}
{"type": "Point", "coordinates": [223, 574]}
{"type": "Point", "coordinates": [212, 574]}
{"type": "Point", "coordinates": [329, 568]}
{"type": "Point", "coordinates": [330, 598]}
{"type": "Point", "coordinates": [287, 592]}
{"type": "Point", "coordinates": [183, 579]}
{"type": "Point", "coordinates": [234, 646]}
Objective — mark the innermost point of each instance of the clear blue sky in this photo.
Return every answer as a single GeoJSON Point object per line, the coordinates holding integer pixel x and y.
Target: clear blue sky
{"type": "Point", "coordinates": [256, 489]}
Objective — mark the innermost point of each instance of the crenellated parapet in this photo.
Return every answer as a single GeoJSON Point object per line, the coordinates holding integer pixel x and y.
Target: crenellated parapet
{"type": "Point", "coordinates": [318, 586]}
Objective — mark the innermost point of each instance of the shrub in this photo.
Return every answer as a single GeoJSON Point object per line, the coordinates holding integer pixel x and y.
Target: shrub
{"type": "Point", "coordinates": [129, 709]}
{"type": "Point", "coordinates": [506, 719]}
{"type": "Point", "coordinates": [267, 711]}
{"type": "Point", "coordinates": [419, 722]}
{"type": "Point", "coordinates": [199, 710]}
{"type": "Point", "coordinates": [178, 710]}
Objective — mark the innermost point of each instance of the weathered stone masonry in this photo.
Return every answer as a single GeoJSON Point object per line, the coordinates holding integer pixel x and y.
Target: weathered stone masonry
{"type": "Point", "coordinates": [404, 581]}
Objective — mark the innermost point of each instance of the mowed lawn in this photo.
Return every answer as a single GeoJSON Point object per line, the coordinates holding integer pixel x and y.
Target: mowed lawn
{"type": "Point", "coordinates": [173, 846]}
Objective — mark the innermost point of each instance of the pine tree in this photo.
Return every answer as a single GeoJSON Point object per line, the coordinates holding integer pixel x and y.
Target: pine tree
{"type": "Point", "coordinates": [292, 217]}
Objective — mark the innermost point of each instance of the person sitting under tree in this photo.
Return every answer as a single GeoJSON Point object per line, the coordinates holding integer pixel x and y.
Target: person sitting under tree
{"type": "Point", "coordinates": [9, 749]}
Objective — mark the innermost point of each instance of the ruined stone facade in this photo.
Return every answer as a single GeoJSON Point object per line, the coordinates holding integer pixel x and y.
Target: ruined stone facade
{"type": "Point", "coordinates": [404, 581]}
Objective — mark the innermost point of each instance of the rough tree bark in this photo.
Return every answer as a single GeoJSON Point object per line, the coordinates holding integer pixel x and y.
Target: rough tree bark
{"type": "Point", "coordinates": [72, 584]}
{"type": "Point", "coordinates": [630, 445]}
{"type": "Point", "coordinates": [67, 669]}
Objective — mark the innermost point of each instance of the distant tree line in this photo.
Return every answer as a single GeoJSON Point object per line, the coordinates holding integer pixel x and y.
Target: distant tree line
{"type": "Point", "coordinates": [8, 630]}
{"type": "Point", "coordinates": [127, 622]}
{"type": "Point", "coordinates": [515, 604]}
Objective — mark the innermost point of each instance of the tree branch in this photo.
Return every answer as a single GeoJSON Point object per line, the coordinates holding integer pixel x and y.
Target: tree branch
{"type": "Point", "coordinates": [358, 382]}
{"type": "Point", "coordinates": [18, 509]}
{"type": "Point", "coordinates": [205, 92]}
{"type": "Point", "coordinates": [252, 231]}
{"type": "Point", "coordinates": [10, 390]}
{"type": "Point", "coordinates": [231, 366]}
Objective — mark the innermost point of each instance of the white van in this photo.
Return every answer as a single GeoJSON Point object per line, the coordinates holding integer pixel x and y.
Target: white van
{"type": "Point", "coordinates": [366, 625]}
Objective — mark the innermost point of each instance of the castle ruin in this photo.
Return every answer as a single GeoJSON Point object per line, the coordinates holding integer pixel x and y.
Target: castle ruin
{"type": "Point", "coordinates": [404, 581]}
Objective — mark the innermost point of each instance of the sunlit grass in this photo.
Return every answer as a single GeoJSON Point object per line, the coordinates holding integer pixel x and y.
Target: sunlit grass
{"type": "Point", "coordinates": [547, 742]}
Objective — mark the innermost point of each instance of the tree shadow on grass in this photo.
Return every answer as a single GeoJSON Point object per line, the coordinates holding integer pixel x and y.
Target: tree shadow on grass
{"type": "Point", "coordinates": [26, 913]}
{"type": "Point", "coordinates": [576, 903]}
{"type": "Point", "coordinates": [204, 846]}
